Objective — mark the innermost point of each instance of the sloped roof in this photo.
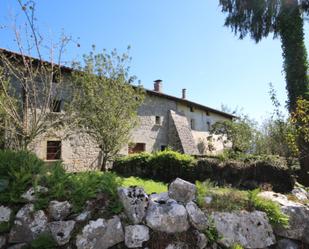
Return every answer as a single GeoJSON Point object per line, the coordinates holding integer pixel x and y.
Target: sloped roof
{"type": "Point", "coordinates": [150, 92]}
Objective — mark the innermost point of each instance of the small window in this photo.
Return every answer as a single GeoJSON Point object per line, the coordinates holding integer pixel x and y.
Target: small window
{"type": "Point", "coordinates": [56, 105]}
{"type": "Point", "coordinates": [207, 113]}
{"type": "Point", "coordinates": [53, 150]}
{"type": "Point", "coordinates": [192, 124]}
{"type": "Point", "coordinates": [208, 125]}
{"type": "Point", "coordinates": [191, 109]}
{"type": "Point", "coordinates": [163, 147]}
{"type": "Point", "coordinates": [158, 120]}
{"type": "Point", "coordinates": [137, 148]}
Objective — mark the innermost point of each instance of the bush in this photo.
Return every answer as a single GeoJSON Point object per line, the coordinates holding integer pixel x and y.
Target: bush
{"type": "Point", "coordinates": [18, 171]}
{"type": "Point", "coordinates": [163, 166]}
{"type": "Point", "coordinates": [246, 172]}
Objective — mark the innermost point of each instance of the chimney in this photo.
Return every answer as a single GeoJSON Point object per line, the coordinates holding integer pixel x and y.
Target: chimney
{"type": "Point", "coordinates": [157, 86]}
{"type": "Point", "coordinates": [184, 91]}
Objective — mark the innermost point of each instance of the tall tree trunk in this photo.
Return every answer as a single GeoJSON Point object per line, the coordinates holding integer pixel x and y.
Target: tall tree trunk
{"type": "Point", "coordinates": [291, 26]}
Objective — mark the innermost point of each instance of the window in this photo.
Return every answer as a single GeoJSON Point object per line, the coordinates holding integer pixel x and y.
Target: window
{"type": "Point", "coordinates": [208, 125]}
{"type": "Point", "coordinates": [163, 147]}
{"type": "Point", "coordinates": [191, 109]}
{"type": "Point", "coordinates": [56, 105]}
{"type": "Point", "coordinates": [207, 113]}
{"type": "Point", "coordinates": [53, 150]}
{"type": "Point", "coordinates": [158, 120]}
{"type": "Point", "coordinates": [137, 148]}
{"type": "Point", "coordinates": [192, 124]}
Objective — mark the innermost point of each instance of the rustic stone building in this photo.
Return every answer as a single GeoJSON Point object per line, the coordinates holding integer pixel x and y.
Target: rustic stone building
{"type": "Point", "coordinates": [165, 121]}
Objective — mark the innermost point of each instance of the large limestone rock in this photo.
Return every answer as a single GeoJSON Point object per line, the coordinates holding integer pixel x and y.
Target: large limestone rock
{"type": "Point", "coordinates": [197, 218]}
{"type": "Point", "coordinates": [182, 191]}
{"type": "Point", "coordinates": [5, 214]}
{"type": "Point", "coordinates": [28, 224]}
{"type": "Point", "coordinates": [30, 194]}
{"type": "Point", "coordinates": [135, 202]}
{"type": "Point", "coordinates": [136, 235]}
{"type": "Point", "coordinates": [100, 234]}
{"type": "Point", "coordinates": [298, 217]}
{"type": "Point", "coordinates": [169, 217]}
{"type": "Point", "coordinates": [251, 230]}
{"type": "Point", "coordinates": [287, 244]}
{"type": "Point", "coordinates": [59, 210]}
{"type": "Point", "coordinates": [61, 231]}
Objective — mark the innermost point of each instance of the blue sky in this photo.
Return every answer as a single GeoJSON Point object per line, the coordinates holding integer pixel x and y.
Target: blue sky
{"type": "Point", "coordinates": [181, 42]}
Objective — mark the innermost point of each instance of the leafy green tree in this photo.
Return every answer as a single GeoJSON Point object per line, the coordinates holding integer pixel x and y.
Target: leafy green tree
{"type": "Point", "coordinates": [105, 106]}
{"type": "Point", "coordinates": [283, 18]}
{"type": "Point", "coordinates": [237, 133]}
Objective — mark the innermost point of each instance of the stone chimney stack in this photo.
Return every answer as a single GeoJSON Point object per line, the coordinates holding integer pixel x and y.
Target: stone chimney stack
{"type": "Point", "coordinates": [184, 93]}
{"type": "Point", "coordinates": [157, 86]}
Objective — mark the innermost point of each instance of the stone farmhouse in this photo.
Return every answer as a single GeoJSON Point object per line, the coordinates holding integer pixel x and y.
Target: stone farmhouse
{"type": "Point", "coordinates": [165, 121]}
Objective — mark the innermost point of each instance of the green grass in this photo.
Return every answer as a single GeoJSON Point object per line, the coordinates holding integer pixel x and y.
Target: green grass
{"type": "Point", "coordinates": [149, 186]}
{"type": "Point", "coordinates": [230, 199]}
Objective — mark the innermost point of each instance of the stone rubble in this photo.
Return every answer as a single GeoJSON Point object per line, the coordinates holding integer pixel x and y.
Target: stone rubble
{"type": "Point", "coordinates": [182, 191]}
{"type": "Point", "coordinates": [59, 210]}
{"type": "Point", "coordinates": [136, 235]}
{"type": "Point", "coordinates": [135, 202]}
{"type": "Point", "coordinates": [5, 214]}
{"type": "Point", "coordinates": [30, 194]}
{"type": "Point", "coordinates": [61, 231]}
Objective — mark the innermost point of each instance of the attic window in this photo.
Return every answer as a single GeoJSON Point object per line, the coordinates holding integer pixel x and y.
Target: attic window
{"type": "Point", "coordinates": [56, 105]}
{"type": "Point", "coordinates": [191, 109]}
{"type": "Point", "coordinates": [158, 120]}
{"type": "Point", "coordinates": [53, 150]}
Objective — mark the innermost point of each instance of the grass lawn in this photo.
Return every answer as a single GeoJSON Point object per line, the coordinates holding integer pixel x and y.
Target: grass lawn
{"type": "Point", "coordinates": [149, 186]}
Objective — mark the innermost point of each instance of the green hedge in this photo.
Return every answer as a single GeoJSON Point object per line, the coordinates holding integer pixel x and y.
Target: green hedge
{"type": "Point", "coordinates": [166, 166]}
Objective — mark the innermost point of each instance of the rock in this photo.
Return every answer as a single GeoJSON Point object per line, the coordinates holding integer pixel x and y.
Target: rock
{"type": "Point", "coordinates": [100, 234]}
{"type": "Point", "coordinates": [2, 242]}
{"type": "Point", "coordinates": [182, 191]}
{"type": "Point", "coordinates": [287, 244]}
{"type": "Point", "coordinates": [61, 231]}
{"type": "Point", "coordinates": [178, 245]}
{"type": "Point", "coordinates": [135, 235]}
{"type": "Point", "coordinates": [135, 202]}
{"type": "Point", "coordinates": [298, 217]}
{"type": "Point", "coordinates": [159, 197]}
{"type": "Point", "coordinates": [208, 199]}
{"type": "Point", "coordinates": [201, 240]}
{"type": "Point", "coordinates": [28, 224]}
{"type": "Point", "coordinates": [251, 230]}
{"type": "Point", "coordinates": [18, 246]}
{"type": "Point", "coordinates": [59, 210]}
{"type": "Point", "coordinates": [197, 218]}
{"type": "Point", "coordinates": [83, 216]}
{"type": "Point", "coordinates": [5, 214]}
{"type": "Point", "coordinates": [30, 194]}
{"type": "Point", "coordinates": [169, 217]}
{"type": "Point", "coordinates": [300, 194]}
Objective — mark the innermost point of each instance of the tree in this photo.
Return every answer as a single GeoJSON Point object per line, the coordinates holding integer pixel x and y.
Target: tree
{"type": "Point", "coordinates": [106, 104]}
{"type": "Point", "coordinates": [238, 132]}
{"type": "Point", "coordinates": [29, 86]}
{"type": "Point", "coordinates": [283, 18]}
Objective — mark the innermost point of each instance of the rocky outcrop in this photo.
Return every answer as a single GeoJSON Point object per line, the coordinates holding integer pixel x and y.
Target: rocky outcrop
{"type": "Point", "coordinates": [100, 234]}
{"type": "Point", "coordinates": [61, 231]}
{"type": "Point", "coordinates": [5, 214]}
{"type": "Point", "coordinates": [30, 195]}
{"type": "Point", "coordinates": [298, 217]}
{"type": "Point", "coordinates": [28, 224]}
{"type": "Point", "coordinates": [251, 230]}
{"type": "Point", "coordinates": [197, 218]}
{"type": "Point", "coordinates": [182, 191]}
{"type": "Point", "coordinates": [59, 210]}
{"type": "Point", "coordinates": [136, 235]}
{"type": "Point", "coordinates": [169, 217]}
{"type": "Point", "coordinates": [135, 202]}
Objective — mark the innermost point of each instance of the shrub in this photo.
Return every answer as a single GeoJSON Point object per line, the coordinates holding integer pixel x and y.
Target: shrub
{"type": "Point", "coordinates": [272, 209]}
{"type": "Point", "coordinates": [18, 170]}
